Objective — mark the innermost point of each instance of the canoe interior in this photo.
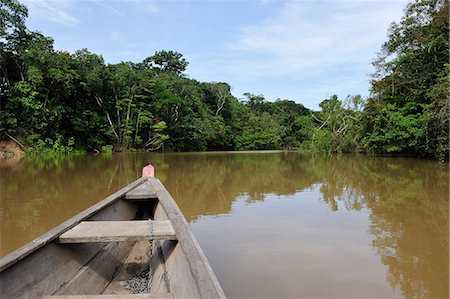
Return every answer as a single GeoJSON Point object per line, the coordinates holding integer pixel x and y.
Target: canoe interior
{"type": "Point", "coordinates": [46, 267]}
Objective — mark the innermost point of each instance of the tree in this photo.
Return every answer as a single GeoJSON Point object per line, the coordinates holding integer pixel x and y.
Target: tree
{"type": "Point", "coordinates": [221, 92]}
{"type": "Point", "coordinates": [408, 86]}
{"type": "Point", "coordinates": [12, 18]}
{"type": "Point", "coordinates": [286, 112]}
{"type": "Point", "coordinates": [52, 97]}
{"type": "Point", "coordinates": [12, 32]}
{"type": "Point", "coordinates": [336, 128]}
{"type": "Point", "coordinates": [166, 62]}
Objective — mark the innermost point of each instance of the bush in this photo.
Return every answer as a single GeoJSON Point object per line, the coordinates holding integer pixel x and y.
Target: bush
{"type": "Point", "coordinates": [107, 149]}
{"type": "Point", "coordinates": [57, 147]}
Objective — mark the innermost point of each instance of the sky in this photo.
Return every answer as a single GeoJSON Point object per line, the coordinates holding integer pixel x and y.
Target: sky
{"type": "Point", "coordinates": [303, 51]}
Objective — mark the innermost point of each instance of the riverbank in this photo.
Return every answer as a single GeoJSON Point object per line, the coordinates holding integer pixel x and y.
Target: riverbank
{"type": "Point", "coordinates": [10, 150]}
{"type": "Point", "coordinates": [11, 153]}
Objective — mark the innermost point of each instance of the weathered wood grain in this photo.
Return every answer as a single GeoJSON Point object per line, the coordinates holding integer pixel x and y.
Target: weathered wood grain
{"type": "Point", "coordinates": [137, 261]}
{"type": "Point", "coordinates": [112, 231]}
{"type": "Point", "coordinates": [94, 277]}
{"type": "Point", "coordinates": [142, 192]}
{"type": "Point", "coordinates": [121, 296]}
{"type": "Point", "coordinates": [69, 270]}
{"type": "Point", "coordinates": [44, 239]}
{"type": "Point", "coordinates": [44, 271]}
{"type": "Point", "coordinates": [204, 278]}
{"type": "Point", "coordinates": [171, 271]}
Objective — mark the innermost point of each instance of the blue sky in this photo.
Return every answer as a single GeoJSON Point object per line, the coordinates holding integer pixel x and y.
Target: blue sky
{"type": "Point", "coordinates": [299, 50]}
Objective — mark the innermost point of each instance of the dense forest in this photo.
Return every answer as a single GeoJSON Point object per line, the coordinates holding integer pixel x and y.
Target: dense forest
{"type": "Point", "coordinates": [56, 102]}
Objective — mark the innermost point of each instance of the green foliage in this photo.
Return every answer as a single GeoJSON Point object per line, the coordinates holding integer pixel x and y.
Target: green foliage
{"type": "Point", "coordinates": [335, 129]}
{"type": "Point", "coordinates": [166, 62]}
{"type": "Point", "coordinates": [107, 149]}
{"type": "Point", "coordinates": [261, 125]}
{"type": "Point", "coordinates": [12, 17]}
{"type": "Point", "coordinates": [257, 140]}
{"type": "Point", "coordinates": [158, 137]}
{"type": "Point", "coordinates": [50, 96]}
{"type": "Point", "coordinates": [305, 127]}
{"type": "Point", "coordinates": [321, 142]}
{"type": "Point", "coordinates": [53, 148]}
{"type": "Point", "coordinates": [396, 131]}
{"type": "Point", "coordinates": [409, 110]}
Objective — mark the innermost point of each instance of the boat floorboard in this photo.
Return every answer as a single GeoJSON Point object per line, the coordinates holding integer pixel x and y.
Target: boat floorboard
{"type": "Point", "coordinates": [123, 296]}
{"type": "Point", "coordinates": [133, 265]}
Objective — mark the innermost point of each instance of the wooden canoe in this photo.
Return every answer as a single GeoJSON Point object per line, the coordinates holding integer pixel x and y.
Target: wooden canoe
{"type": "Point", "coordinates": [97, 254]}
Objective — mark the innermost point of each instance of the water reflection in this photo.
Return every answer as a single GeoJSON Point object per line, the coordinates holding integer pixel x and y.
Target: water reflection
{"type": "Point", "coordinates": [406, 201]}
{"type": "Point", "coordinates": [38, 195]}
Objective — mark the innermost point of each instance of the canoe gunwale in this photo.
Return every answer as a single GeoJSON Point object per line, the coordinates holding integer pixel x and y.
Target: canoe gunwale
{"type": "Point", "coordinates": [206, 280]}
{"type": "Point", "coordinates": [203, 276]}
{"type": "Point", "coordinates": [20, 253]}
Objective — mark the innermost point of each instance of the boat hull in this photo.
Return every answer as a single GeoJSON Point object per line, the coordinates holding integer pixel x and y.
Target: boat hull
{"type": "Point", "coordinates": [46, 267]}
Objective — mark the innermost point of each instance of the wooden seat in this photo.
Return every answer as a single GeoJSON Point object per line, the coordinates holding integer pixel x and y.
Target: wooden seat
{"type": "Point", "coordinates": [113, 231]}
{"type": "Point", "coordinates": [116, 296]}
{"type": "Point", "coordinates": [142, 192]}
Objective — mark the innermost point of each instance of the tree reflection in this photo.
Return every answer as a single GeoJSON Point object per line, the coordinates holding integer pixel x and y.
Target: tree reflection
{"type": "Point", "coordinates": [407, 199]}
{"type": "Point", "coordinates": [209, 184]}
{"type": "Point", "coordinates": [37, 195]}
{"type": "Point", "coordinates": [408, 203]}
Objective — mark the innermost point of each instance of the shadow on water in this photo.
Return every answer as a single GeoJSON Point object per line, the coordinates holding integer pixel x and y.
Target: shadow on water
{"type": "Point", "coordinates": [406, 199]}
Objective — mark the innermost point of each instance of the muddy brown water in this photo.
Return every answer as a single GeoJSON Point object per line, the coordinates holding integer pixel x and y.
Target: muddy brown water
{"type": "Point", "coordinates": [272, 224]}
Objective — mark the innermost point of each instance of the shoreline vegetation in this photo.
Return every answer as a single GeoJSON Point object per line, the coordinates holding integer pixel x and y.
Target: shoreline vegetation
{"type": "Point", "coordinates": [56, 103]}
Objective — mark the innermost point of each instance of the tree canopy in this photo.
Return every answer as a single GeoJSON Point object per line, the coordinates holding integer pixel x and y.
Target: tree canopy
{"type": "Point", "coordinates": [408, 111]}
{"type": "Point", "coordinates": [52, 99]}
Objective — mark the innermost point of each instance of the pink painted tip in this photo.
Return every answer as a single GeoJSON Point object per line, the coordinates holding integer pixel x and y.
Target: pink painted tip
{"type": "Point", "coordinates": [148, 171]}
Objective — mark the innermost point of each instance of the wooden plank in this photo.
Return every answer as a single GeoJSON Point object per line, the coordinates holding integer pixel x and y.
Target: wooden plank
{"type": "Point", "coordinates": [160, 280]}
{"type": "Point", "coordinates": [112, 231]}
{"type": "Point", "coordinates": [205, 279]}
{"type": "Point", "coordinates": [44, 271]}
{"type": "Point", "coordinates": [44, 239]}
{"type": "Point", "coordinates": [54, 263]}
{"type": "Point", "coordinates": [124, 296]}
{"type": "Point", "coordinates": [141, 192]}
{"type": "Point", "coordinates": [135, 263]}
{"type": "Point", "coordinates": [95, 276]}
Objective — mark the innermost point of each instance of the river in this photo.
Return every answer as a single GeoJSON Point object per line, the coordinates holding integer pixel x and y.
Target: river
{"type": "Point", "coordinates": [272, 224]}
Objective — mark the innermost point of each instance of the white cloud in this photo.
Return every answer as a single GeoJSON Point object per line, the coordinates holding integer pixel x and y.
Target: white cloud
{"type": "Point", "coordinates": [121, 8]}
{"type": "Point", "coordinates": [112, 9]}
{"type": "Point", "coordinates": [150, 7]}
{"type": "Point", "coordinates": [146, 5]}
{"type": "Point", "coordinates": [55, 11]}
{"type": "Point", "coordinates": [266, 2]}
{"type": "Point", "coordinates": [305, 51]}
{"type": "Point", "coordinates": [308, 37]}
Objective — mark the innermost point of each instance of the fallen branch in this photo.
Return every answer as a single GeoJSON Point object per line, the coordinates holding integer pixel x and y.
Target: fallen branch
{"type": "Point", "coordinates": [16, 141]}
